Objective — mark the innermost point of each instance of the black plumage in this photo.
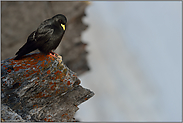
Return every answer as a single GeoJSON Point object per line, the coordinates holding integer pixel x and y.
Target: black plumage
{"type": "Point", "coordinates": [46, 38]}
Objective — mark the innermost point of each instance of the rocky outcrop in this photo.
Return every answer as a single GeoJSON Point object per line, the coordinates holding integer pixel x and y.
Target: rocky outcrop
{"type": "Point", "coordinates": [40, 87]}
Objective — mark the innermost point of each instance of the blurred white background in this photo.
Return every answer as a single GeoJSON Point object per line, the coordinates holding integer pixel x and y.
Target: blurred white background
{"type": "Point", "coordinates": [135, 56]}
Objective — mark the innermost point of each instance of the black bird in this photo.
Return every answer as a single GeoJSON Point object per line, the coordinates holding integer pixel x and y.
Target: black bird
{"type": "Point", "coordinates": [46, 38]}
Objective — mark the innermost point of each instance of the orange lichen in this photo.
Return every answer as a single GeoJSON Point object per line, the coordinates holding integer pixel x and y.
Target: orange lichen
{"type": "Point", "coordinates": [57, 91]}
{"type": "Point", "coordinates": [50, 83]}
{"type": "Point", "coordinates": [68, 82]}
{"type": "Point", "coordinates": [20, 67]}
{"type": "Point", "coordinates": [64, 114]}
{"type": "Point", "coordinates": [49, 120]}
{"type": "Point", "coordinates": [16, 69]}
{"type": "Point", "coordinates": [9, 70]}
{"type": "Point", "coordinates": [57, 77]}
{"type": "Point", "coordinates": [53, 87]}
{"type": "Point", "coordinates": [19, 84]}
{"type": "Point", "coordinates": [39, 95]}
{"type": "Point", "coordinates": [45, 119]}
{"type": "Point", "coordinates": [52, 78]}
{"type": "Point", "coordinates": [48, 72]}
{"type": "Point", "coordinates": [35, 106]}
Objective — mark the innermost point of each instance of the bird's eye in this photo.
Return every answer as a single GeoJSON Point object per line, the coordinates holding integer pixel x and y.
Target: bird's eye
{"type": "Point", "coordinates": [60, 21]}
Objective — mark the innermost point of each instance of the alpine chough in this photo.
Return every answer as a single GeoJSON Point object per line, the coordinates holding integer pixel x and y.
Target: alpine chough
{"type": "Point", "coordinates": [46, 38]}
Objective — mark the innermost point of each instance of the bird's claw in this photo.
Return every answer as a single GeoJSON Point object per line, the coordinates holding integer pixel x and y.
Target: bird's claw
{"type": "Point", "coordinates": [53, 54]}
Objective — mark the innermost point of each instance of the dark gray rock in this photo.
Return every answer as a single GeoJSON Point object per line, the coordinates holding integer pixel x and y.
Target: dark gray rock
{"type": "Point", "coordinates": [40, 87]}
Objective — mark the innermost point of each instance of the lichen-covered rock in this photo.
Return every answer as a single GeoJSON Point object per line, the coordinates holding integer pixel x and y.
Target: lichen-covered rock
{"type": "Point", "coordinates": [40, 87]}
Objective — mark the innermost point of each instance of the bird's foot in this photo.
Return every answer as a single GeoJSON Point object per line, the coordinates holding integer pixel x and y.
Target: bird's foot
{"type": "Point", "coordinates": [53, 54]}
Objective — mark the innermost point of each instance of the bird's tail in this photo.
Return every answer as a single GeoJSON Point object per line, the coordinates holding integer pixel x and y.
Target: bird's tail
{"type": "Point", "coordinates": [27, 48]}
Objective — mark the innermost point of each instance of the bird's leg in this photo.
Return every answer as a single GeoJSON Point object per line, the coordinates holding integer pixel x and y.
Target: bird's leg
{"type": "Point", "coordinates": [53, 54]}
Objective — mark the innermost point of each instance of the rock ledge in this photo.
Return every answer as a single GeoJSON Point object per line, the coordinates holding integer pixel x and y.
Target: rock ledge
{"type": "Point", "coordinates": [39, 88]}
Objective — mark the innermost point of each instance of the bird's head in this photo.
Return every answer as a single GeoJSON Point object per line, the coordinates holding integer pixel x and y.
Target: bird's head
{"type": "Point", "coordinates": [61, 19]}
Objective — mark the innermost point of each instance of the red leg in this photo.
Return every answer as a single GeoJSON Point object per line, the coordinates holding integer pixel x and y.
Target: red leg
{"type": "Point", "coordinates": [53, 54]}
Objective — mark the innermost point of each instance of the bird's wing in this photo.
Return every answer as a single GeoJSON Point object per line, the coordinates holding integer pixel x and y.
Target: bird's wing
{"type": "Point", "coordinates": [31, 37]}
{"type": "Point", "coordinates": [43, 34]}
{"type": "Point", "coordinates": [35, 39]}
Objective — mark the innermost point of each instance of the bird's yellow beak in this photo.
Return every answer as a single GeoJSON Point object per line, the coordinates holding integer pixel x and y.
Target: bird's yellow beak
{"type": "Point", "coordinates": [63, 26]}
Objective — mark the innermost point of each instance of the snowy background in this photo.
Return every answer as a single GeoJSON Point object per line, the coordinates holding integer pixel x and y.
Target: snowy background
{"type": "Point", "coordinates": [135, 56]}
